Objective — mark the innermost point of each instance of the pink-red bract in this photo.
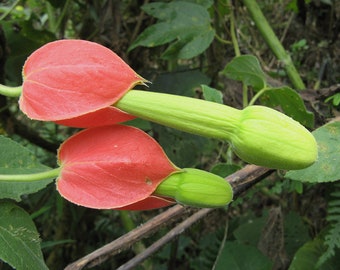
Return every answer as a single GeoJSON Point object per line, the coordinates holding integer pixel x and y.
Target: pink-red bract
{"type": "Point", "coordinates": [112, 167]}
{"type": "Point", "coordinates": [70, 81]}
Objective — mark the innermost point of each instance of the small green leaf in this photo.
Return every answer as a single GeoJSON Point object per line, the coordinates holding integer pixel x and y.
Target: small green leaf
{"type": "Point", "coordinates": [247, 69]}
{"type": "Point", "coordinates": [20, 243]}
{"type": "Point", "coordinates": [188, 24]}
{"type": "Point", "coordinates": [212, 94]}
{"type": "Point", "coordinates": [16, 159]}
{"type": "Point", "coordinates": [191, 47]}
{"type": "Point", "coordinates": [290, 102]}
{"type": "Point", "coordinates": [326, 168]}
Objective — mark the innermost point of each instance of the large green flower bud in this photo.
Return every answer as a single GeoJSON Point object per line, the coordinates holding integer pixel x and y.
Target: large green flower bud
{"type": "Point", "coordinates": [196, 188]}
{"type": "Point", "coordinates": [273, 139]}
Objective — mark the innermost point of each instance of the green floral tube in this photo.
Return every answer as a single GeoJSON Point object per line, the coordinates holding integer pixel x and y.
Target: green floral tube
{"type": "Point", "coordinates": [258, 134]}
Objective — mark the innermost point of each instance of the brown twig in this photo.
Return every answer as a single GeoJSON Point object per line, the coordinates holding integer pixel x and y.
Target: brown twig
{"type": "Point", "coordinates": [241, 181]}
{"type": "Point", "coordinates": [125, 241]}
{"type": "Point", "coordinates": [139, 258]}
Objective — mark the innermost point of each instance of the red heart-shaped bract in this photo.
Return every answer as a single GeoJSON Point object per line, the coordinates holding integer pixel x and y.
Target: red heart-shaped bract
{"type": "Point", "coordinates": [149, 203]}
{"type": "Point", "coordinates": [111, 167]}
{"type": "Point", "coordinates": [102, 117]}
{"type": "Point", "coordinates": [67, 79]}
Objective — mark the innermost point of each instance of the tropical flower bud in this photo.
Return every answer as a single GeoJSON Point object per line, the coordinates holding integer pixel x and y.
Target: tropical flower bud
{"type": "Point", "coordinates": [196, 188]}
{"type": "Point", "coordinates": [269, 138]}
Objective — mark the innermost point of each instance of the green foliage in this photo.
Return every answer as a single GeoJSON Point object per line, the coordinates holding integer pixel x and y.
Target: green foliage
{"type": "Point", "coordinates": [20, 243]}
{"type": "Point", "coordinates": [240, 256]}
{"type": "Point", "coordinates": [16, 159]}
{"type": "Point", "coordinates": [307, 257]}
{"type": "Point", "coordinates": [246, 68]}
{"type": "Point", "coordinates": [212, 94]}
{"type": "Point", "coordinates": [290, 102]}
{"type": "Point", "coordinates": [335, 99]}
{"type": "Point", "coordinates": [325, 169]}
{"type": "Point", "coordinates": [332, 237]}
{"type": "Point", "coordinates": [185, 24]}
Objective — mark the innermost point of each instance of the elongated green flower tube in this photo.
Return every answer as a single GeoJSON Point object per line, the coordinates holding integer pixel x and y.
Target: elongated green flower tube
{"type": "Point", "coordinates": [258, 134]}
{"type": "Point", "coordinates": [196, 188]}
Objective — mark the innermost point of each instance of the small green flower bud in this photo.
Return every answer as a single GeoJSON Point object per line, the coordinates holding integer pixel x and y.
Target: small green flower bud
{"type": "Point", "coordinates": [196, 188]}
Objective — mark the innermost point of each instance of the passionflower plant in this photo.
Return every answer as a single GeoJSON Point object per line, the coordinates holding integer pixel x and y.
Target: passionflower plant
{"type": "Point", "coordinates": [83, 84]}
{"type": "Point", "coordinates": [121, 167]}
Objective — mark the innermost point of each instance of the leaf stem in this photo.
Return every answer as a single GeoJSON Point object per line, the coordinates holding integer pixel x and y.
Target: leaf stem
{"type": "Point", "coordinates": [257, 95]}
{"type": "Point", "coordinates": [10, 91]}
{"type": "Point", "coordinates": [31, 177]}
{"type": "Point", "coordinates": [232, 30]}
{"type": "Point", "coordinates": [274, 43]}
{"type": "Point", "coordinates": [237, 51]}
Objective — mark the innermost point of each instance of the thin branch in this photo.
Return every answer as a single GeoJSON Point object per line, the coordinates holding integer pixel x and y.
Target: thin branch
{"type": "Point", "coordinates": [175, 232]}
{"type": "Point", "coordinates": [241, 181]}
{"type": "Point", "coordinates": [124, 242]}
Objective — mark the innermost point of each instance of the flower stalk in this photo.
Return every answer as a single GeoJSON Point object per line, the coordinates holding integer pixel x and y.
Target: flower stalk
{"type": "Point", "coordinates": [10, 91]}
{"type": "Point", "coordinates": [31, 177]}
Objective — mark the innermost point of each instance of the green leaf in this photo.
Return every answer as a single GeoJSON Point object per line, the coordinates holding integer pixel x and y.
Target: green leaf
{"type": "Point", "coordinates": [247, 69]}
{"type": "Point", "coordinates": [16, 159]}
{"type": "Point", "coordinates": [190, 47]}
{"type": "Point", "coordinates": [20, 243]}
{"type": "Point", "coordinates": [240, 256]}
{"type": "Point", "coordinates": [290, 102]}
{"type": "Point", "coordinates": [326, 168]}
{"type": "Point", "coordinates": [306, 258]}
{"type": "Point", "coordinates": [187, 24]}
{"type": "Point", "coordinates": [212, 94]}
